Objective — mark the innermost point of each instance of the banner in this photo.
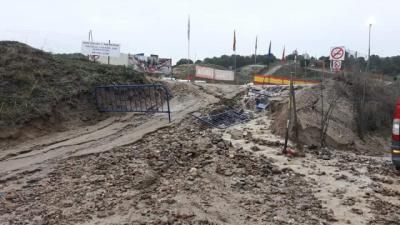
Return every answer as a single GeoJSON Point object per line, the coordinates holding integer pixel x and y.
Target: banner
{"type": "Point", "coordinates": [214, 74]}
{"type": "Point", "coordinates": [101, 49]}
{"type": "Point", "coordinates": [224, 75]}
{"type": "Point", "coordinates": [205, 72]}
{"type": "Point", "coordinates": [280, 80]}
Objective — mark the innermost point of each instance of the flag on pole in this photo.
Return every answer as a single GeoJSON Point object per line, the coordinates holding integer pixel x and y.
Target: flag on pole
{"type": "Point", "coordinates": [283, 54]}
{"type": "Point", "coordinates": [188, 31]}
{"type": "Point", "coordinates": [234, 40]}
{"type": "Point", "coordinates": [269, 49]}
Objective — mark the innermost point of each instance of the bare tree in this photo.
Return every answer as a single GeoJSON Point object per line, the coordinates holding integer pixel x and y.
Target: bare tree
{"type": "Point", "coordinates": [327, 115]}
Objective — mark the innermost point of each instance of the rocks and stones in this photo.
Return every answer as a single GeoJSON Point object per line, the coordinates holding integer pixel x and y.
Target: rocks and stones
{"type": "Point", "coordinates": [236, 134]}
{"type": "Point", "coordinates": [357, 211]}
{"type": "Point", "coordinates": [255, 148]}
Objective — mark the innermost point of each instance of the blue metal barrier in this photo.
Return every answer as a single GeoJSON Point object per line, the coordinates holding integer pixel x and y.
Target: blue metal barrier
{"type": "Point", "coordinates": [147, 98]}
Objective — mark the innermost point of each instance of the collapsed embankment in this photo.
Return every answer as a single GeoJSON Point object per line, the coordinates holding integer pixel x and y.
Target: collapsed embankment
{"type": "Point", "coordinates": [343, 128]}
{"type": "Point", "coordinates": [42, 92]}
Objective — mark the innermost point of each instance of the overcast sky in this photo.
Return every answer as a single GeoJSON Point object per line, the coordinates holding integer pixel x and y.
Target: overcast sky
{"type": "Point", "coordinates": [160, 26]}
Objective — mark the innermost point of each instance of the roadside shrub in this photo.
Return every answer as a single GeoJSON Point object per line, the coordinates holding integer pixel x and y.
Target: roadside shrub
{"type": "Point", "coordinates": [373, 103]}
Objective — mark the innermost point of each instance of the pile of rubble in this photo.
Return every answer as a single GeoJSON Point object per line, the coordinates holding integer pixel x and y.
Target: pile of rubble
{"type": "Point", "coordinates": [178, 174]}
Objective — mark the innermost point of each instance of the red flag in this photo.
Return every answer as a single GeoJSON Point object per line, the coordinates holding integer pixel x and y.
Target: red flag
{"type": "Point", "coordinates": [234, 40]}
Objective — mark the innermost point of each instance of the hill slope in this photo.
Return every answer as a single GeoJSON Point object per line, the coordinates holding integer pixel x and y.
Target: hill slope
{"type": "Point", "coordinates": [34, 83]}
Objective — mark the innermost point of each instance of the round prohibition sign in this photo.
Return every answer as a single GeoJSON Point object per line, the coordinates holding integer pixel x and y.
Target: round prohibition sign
{"type": "Point", "coordinates": [337, 64]}
{"type": "Point", "coordinates": [337, 53]}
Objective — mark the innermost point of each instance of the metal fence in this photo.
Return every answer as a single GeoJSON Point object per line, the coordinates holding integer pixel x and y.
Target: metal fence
{"type": "Point", "coordinates": [223, 120]}
{"type": "Point", "coordinates": [146, 98]}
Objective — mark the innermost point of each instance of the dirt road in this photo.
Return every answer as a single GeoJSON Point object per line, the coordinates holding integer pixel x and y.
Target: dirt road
{"type": "Point", "coordinates": [105, 135]}
{"type": "Point", "coordinates": [138, 169]}
{"type": "Point", "coordinates": [273, 69]}
{"type": "Point", "coordinates": [351, 186]}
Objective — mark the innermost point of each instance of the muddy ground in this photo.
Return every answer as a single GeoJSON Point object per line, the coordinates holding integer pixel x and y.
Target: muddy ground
{"type": "Point", "coordinates": [138, 169]}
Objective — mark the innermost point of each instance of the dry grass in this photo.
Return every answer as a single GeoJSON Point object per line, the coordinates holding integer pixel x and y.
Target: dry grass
{"type": "Point", "coordinates": [32, 82]}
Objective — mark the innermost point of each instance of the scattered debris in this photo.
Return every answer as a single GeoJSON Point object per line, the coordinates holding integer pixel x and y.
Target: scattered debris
{"type": "Point", "coordinates": [224, 119]}
{"type": "Point", "coordinates": [180, 174]}
{"type": "Point", "coordinates": [255, 148]}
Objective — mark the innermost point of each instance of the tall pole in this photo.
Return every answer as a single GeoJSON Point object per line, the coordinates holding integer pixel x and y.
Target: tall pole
{"type": "Point", "coordinates": [295, 66]}
{"type": "Point", "coordinates": [369, 46]}
{"type": "Point", "coordinates": [188, 51]}
{"type": "Point", "coordinates": [255, 52]}
{"type": "Point", "coordinates": [305, 68]}
{"type": "Point", "coordinates": [362, 118]}
{"type": "Point", "coordinates": [108, 57]}
{"type": "Point", "coordinates": [289, 117]}
{"type": "Point", "coordinates": [296, 129]}
{"type": "Point", "coordinates": [322, 104]}
{"type": "Point", "coordinates": [188, 34]}
{"type": "Point", "coordinates": [90, 39]}
{"type": "Point", "coordinates": [234, 66]}
{"type": "Point", "coordinates": [234, 53]}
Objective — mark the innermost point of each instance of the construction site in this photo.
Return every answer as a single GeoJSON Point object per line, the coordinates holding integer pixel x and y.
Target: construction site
{"type": "Point", "coordinates": [89, 143]}
{"type": "Point", "coordinates": [199, 112]}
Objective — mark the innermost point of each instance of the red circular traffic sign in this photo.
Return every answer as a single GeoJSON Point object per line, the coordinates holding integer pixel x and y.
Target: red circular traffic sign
{"type": "Point", "coordinates": [337, 53]}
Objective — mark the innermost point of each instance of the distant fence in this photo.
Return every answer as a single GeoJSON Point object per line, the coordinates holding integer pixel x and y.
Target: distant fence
{"type": "Point", "coordinates": [214, 74]}
{"type": "Point", "coordinates": [146, 98]}
{"type": "Point", "coordinates": [280, 80]}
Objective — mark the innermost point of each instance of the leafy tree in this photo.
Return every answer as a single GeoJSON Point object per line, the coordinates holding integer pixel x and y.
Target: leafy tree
{"type": "Point", "coordinates": [229, 60]}
{"type": "Point", "coordinates": [386, 65]}
{"type": "Point", "coordinates": [184, 61]}
{"type": "Point", "coordinates": [325, 59]}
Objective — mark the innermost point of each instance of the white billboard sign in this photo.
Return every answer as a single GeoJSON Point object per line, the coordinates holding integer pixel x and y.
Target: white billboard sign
{"type": "Point", "coordinates": [100, 48]}
{"type": "Point", "coordinates": [214, 74]}
{"type": "Point", "coordinates": [204, 72]}
{"type": "Point", "coordinates": [224, 75]}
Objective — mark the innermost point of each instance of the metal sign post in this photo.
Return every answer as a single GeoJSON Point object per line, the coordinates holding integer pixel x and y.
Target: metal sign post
{"type": "Point", "coordinates": [336, 56]}
{"type": "Point", "coordinates": [336, 65]}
